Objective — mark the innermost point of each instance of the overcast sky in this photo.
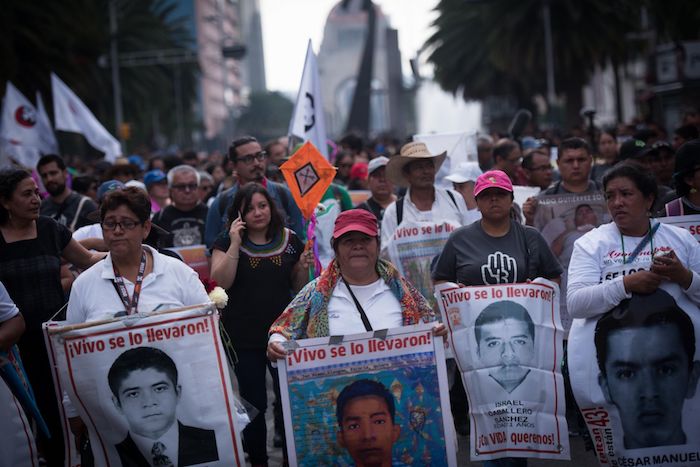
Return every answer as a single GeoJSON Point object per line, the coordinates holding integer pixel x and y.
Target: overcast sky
{"type": "Point", "coordinates": [288, 25]}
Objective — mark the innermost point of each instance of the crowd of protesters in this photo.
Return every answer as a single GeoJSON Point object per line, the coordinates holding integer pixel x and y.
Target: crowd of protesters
{"type": "Point", "coordinates": [61, 217]}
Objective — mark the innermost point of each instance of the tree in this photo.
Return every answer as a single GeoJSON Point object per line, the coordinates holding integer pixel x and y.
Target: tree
{"type": "Point", "coordinates": [486, 48]}
{"type": "Point", "coordinates": [266, 117]}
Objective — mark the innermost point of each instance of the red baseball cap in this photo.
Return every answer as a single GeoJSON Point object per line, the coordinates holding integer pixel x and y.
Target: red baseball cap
{"type": "Point", "coordinates": [493, 179]}
{"type": "Point", "coordinates": [355, 220]}
{"type": "Point", "coordinates": [359, 171]}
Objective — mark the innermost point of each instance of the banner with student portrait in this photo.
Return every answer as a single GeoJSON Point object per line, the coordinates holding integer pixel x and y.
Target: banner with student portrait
{"type": "Point", "coordinates": [689, 223]}
{"type": "Point", "coordinates": [563, 219]}
{"type": "Point", "coordinates": [195, 256]}
{"type": "Point", "coordinates": [151, 389]}
{"type": "Point", "coordinates": [391, 384]}
{"type": "Point", "coordinates": [508, 343]}
{"type": "Point", "coordinates": [634, 372]}
{"type": "Point", "coordinates": [412, 249]}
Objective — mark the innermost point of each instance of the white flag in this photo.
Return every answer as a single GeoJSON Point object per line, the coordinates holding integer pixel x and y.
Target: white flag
{"type": "Point", "coordinates": [20, 130]}
{"type": "Point", "coordinates": [71, 114]}
{"type": "Point", "coordinates": [47, 138]}
{"type": "Point", "coordinates": [308, 122]}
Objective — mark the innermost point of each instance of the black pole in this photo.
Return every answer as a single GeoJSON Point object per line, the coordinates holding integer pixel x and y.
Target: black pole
{"type": "Point", "coordinates": [358, 120]}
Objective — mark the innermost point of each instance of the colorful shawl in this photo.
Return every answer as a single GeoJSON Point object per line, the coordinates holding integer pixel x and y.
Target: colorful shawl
{"type": "Point", "coordinates": [307, 315]}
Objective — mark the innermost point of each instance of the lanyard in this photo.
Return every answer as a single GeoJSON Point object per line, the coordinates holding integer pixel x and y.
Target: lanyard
{"type": "Point", "coordinates": [363, 315]}
{"type": "Point", "coordinates": [130, 305]}
{"type": "Point", "coordinates": [647, 238]}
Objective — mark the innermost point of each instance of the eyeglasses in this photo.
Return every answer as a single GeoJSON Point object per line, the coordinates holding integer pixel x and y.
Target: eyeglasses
{"type": "Point", "coordinates": [185, 187]}
{"type": "Point", "coordinates": [545, 168]}
{"type": "Point", "coordinates": [516, 160]}
{"type": "Point", "coordinates": [124, 224]}
{"type": "Point", "coordinates": [258, 156]}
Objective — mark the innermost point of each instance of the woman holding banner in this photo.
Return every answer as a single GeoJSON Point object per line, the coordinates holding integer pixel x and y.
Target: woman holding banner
{"type": "Point", "coordinates": [31, 248]}
{"type": "Point", "coordinates": [259, 262]}
{"type": "Point", "coordinates": [632, 254]}
{"type": "Point", "coordinates": [495, 250]}
{"type": "Point", "coordinates": [357, 292]}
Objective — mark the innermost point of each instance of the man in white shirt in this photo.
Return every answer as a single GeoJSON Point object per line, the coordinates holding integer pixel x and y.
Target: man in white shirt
{"type": "Point", "coordinates": [415, 168]}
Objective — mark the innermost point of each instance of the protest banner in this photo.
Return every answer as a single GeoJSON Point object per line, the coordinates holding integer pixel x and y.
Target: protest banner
{"type": "Point", "coordinates": [634, 373]}
{"type": "Point", "coordinates": [689, 223]}
{"type": "Point", "coordinates": [563, 219]}
{"type": "Point", "coordinates": [508, 343]}
{"type": "Point", "coordinates": [153, 387]}
{"type": "Point", "coordinates": [397, 375]}
{"type": "Point", "coordinates": [195, 256]}
{"type": "Point", "coordinates": [412, 249]}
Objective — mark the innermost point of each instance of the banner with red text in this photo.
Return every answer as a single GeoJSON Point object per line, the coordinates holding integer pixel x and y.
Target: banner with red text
{"type": "Point", "coordinates": [152, 390]}
{"type": "Point", "coordinates": [508, 343]}
{"type": "Point", "coordinates": [634, 373]}
{"type": "Point", "coordinates": [412, 249]}
{"type": "Point", "coordinates": [689, 223]}
{"type": "Point", "coordinates": [368, 399]}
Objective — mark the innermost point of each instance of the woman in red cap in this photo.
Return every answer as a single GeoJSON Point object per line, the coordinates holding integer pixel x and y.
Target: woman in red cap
{"type": "Point", "coordinates": [357, 292]}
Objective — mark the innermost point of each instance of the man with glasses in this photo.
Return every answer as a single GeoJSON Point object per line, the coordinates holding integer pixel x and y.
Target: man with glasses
{"type": "Point", "coordinates": [249, 161]}
{"type": "Point", "coordinates": [184, 218]}
{"type": "Point", "coordinates": [537, 169]}
{"type": "Point", "coordinates": [507, 157]}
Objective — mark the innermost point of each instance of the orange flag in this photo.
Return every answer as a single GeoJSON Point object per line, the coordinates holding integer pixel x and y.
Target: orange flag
{"type": "Point", "coordinates": [308, 175]}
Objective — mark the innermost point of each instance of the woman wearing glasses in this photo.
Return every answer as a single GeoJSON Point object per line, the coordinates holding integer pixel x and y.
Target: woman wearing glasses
{"type": "Point", "coordinates": [31, 247]}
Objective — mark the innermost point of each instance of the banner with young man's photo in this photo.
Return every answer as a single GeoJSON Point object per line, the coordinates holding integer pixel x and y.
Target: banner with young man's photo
{"type": "Point", "coordinates": [368, 399]}
{"type": "Point", "coordinates": [412, 249]}
{"type": "Point", "coordinates": [634, 372]}
{"type": "Point", "coordinates": [151, 390]}
{"type": "Point", "coordinates": [563, 219]}
{"type": "Point", "coordinates": [508, 343]}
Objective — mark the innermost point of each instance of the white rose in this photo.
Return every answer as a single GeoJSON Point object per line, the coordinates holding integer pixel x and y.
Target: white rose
{"type": "Point", "coordinates": [218, 297]}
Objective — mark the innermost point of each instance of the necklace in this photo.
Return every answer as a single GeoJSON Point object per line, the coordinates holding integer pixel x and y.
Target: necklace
{"type": "Point", "coordinates": [648, 238]}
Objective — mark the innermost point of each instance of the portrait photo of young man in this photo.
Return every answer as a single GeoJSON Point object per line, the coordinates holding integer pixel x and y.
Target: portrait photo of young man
{"type": "Point", "coordinates": [645, 348]}
{"type": "Point", "coordinates": [145, 390]}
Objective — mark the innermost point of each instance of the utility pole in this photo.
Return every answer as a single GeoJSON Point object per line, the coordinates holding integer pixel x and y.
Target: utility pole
{"type": "Point", "coordinates": [114, 59]}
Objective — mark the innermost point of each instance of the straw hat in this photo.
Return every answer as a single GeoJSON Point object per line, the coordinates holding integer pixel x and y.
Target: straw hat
{"type": "Point", "coordinates": [410, 152]}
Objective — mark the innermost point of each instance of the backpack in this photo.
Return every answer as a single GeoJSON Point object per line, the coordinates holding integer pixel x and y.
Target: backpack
{"type": "Point", "coordinates": [399, 206]}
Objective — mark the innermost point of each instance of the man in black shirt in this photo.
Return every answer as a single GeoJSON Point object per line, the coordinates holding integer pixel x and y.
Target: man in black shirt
{"type": "Point", "coordinates": [63, 204]}
{"type": "Point", "coordinates": [184, 218]}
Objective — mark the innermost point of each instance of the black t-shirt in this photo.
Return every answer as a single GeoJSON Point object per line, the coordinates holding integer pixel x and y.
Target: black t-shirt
{"type": "Point", "coordinates": [186, 228]}
{"type": "Point", "coordinates": [472, 257]}
{"type": "Point", "coordinates": [262, 288]}
{"type": "Point", "coordinates": [65, 212]}
{"type": "Point", "coordinates": [31, 272]}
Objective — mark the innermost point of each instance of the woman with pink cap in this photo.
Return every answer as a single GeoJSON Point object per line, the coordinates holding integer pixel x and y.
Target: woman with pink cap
{"type": "Point", "coordinates": [357, 292]}
{"type": "Point", "coordinates": [495, 250]}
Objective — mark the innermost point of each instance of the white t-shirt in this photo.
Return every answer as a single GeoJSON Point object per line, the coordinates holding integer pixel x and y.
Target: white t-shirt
{"type": "Point", "coordinates": [88, 231]}
{"type": "Point", "coordinates": [597, 269]}
{"type": "Point", "coordinates": [382, 308]}
{"type": "Point", "coordinates": [443, 209]}
{"type": "Point", "coordinates": [8, 309]}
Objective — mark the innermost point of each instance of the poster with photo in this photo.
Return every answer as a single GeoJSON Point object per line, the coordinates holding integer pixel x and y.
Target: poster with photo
{"type": "Point", "coordinates": [195, 256]}
{"type": "Point", "coordinates": [392, 384]}
{"type": "Point", "coordinates": [412, 249]}
{"type": "Point", "coordinates": [563, 219]}
{"type": "Point", "coordinates": [634, 372]}
{"type": "Point", "coordinates": [151, 389]}
{"type": "Point", "coordinates": [508, 343]}
{"type": "Point", "coordinates": [689, 223]}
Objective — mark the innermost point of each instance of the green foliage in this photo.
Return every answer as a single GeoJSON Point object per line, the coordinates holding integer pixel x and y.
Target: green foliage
{"type": "Point", "coordinates": [266, 117]}
{"type": "Point", "coordinates": [72, 38]}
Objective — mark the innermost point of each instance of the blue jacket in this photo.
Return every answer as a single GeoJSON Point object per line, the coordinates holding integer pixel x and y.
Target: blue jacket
{"type": "Point", "coordinates": [217, 215]}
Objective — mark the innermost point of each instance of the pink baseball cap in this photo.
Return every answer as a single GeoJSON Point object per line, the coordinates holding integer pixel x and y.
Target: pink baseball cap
{"type": "Point", "coordinates": [355, 220]}
{"type": "Point", "coordinates": [493, 179]}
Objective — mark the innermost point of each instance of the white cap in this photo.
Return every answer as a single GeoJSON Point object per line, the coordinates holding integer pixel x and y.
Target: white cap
{"type": "Point", "coordinates": [137, 184]}
{"type": "Point", "coordinates": [465, 172]}
{"type": "Point", "coordinates": [376, 163]}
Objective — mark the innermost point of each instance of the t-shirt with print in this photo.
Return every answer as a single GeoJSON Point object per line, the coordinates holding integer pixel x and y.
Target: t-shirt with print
{"type": "Point", "coordinates": [65, 212]}
{"type": "Point", "coordinates": [185, 228]}
{"type": "Point", "coordinates": [472, 257]}
{"type": "Point", "coordinates": [262, 288]}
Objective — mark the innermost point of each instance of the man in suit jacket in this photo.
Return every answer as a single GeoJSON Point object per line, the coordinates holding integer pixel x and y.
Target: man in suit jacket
{"type": "Point", "coordinates": [144, 385]}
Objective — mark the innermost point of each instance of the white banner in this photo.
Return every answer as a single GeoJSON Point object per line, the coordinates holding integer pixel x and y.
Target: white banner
{"type": "Point", "coordinates": [24, 133]}
{"type": "Point", "coordinates": [412, 249]}
{"type": "Point", "coordinates": [151, 390]}
{"type": "Point", "coordinates": [308, 121]}
{"type": "Point", "coordinates": [690, 223]}
{"type": "Point", "coordinates": [368, 399]}
{"type": "Point", "coordinates": [71, 114]}
{"type": "Point", "coordinates": [634, 372]}
{"type": "Point", "coordinates": [508, 343]}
